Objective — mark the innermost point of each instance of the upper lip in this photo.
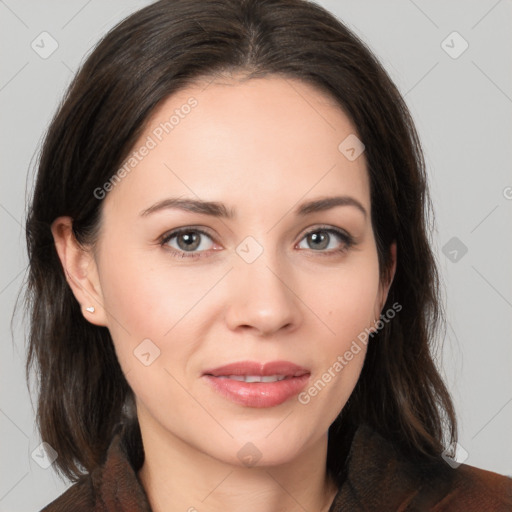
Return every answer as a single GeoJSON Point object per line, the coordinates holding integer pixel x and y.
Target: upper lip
{"type": "Point", "coordinates": [285, 368]}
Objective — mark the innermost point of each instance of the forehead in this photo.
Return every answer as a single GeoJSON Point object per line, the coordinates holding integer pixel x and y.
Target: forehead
{"type": "Point", "coordinates": [262, 138]}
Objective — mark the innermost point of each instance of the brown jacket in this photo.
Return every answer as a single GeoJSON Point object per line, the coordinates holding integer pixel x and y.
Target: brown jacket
{"type": "Point", "coordinates": [378, 479]}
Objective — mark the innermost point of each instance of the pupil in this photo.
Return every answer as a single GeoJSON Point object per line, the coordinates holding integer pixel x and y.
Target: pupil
{"type": "Point", "coordinates": [190, 241]}
{"type": "Point", "coordinates": [316, 237]}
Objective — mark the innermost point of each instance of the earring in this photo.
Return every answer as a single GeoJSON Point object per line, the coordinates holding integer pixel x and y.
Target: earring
{"type": "Point", "coordinates": [90, 309]}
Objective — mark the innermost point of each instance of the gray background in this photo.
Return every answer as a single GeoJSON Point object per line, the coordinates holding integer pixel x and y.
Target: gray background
{"type": "Point", "coordinates": [462, 107]}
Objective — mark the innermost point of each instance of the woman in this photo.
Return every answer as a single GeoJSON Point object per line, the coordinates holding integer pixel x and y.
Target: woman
{"type": "Point", "coordinates": [196, 351]}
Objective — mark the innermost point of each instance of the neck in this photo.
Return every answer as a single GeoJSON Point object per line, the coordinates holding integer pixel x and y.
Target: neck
{"type": "Point", "coordinates": [178, 477]}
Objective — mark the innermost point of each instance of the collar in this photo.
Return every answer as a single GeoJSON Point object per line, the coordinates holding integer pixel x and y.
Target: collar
{"type": "Point", "coordinates": [377, 478]}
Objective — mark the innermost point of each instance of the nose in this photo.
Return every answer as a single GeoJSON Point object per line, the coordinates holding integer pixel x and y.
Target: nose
{"type": "Point", "coordinates": [262, 298]}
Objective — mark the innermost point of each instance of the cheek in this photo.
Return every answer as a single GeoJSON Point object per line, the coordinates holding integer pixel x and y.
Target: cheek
{"type": "Point", "coordinates": [148, 309]}
{"type": "Point", "coordinates": [346, 305]}
{"type": "Point", "coordinates": [148, 297]}
{"type": "Point", "coordinates": [155, 299]}
{"type": "Point", "coordinates": [345, 299]}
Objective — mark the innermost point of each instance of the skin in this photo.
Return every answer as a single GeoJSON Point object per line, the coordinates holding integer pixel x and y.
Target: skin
{"type": "Point", "coordinates": [261, 147]}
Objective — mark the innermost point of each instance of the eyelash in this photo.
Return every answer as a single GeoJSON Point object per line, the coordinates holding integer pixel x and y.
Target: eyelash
{"type": "Point", "coordinates": [345, 238]}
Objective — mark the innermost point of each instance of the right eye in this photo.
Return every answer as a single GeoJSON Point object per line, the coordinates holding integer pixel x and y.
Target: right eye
{"type": "Point", "coordinates": [184, 242]}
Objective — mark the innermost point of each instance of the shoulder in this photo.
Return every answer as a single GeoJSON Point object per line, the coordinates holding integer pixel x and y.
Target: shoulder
{"type": "Point", "coordinates": [79, 498]}
{"type": "Point", "coordinates": [478, 489]}
{"type": "Point", "coordinates": [379, 477]}
{"type": "Point", "coordinates": [113, 485]}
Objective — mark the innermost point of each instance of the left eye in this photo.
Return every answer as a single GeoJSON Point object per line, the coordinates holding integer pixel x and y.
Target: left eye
{"type": "Point", "coordinates": [322, 238]}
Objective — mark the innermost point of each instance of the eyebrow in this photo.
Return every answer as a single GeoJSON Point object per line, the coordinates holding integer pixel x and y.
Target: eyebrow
{"type": "Point", "coordinates": [216, 209]}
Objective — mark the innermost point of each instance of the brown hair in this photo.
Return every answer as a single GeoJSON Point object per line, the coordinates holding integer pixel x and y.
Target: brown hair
{"type": "Point", "coordinates": [150, 55]}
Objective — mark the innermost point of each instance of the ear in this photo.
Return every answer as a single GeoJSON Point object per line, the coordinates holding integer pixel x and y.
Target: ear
{"type": "Point", "coordinates": [80, 270]}
{"type": "Point", "coordinates": [386, 285]}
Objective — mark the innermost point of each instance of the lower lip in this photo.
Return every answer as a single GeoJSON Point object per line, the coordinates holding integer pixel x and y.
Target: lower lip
{"type": "Point", "coordinates": [258, 394]}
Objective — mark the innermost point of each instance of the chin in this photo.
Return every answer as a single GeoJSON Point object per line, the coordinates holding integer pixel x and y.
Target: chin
{"type": "Point", "coordinates": [257, 450]}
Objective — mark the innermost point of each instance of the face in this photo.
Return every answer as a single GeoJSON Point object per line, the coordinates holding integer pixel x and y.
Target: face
{"type": "Point", "coordinates": [268, 281]}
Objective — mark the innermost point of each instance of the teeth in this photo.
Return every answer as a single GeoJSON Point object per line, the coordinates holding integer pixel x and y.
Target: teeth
{"type": "Point", "coordinates": [254, 378]}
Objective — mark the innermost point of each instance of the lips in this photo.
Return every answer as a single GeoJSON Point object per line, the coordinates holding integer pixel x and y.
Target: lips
{"type": "Point", "coordinates": [254, 384]}
{"type": "Point", "coordinates": [246, 368]}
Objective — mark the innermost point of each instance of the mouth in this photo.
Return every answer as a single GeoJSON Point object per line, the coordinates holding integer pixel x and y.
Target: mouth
{"type": "Point", "coordinates": [254, 378]}
{"type": "Point", "coordinates": [254, 384]}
